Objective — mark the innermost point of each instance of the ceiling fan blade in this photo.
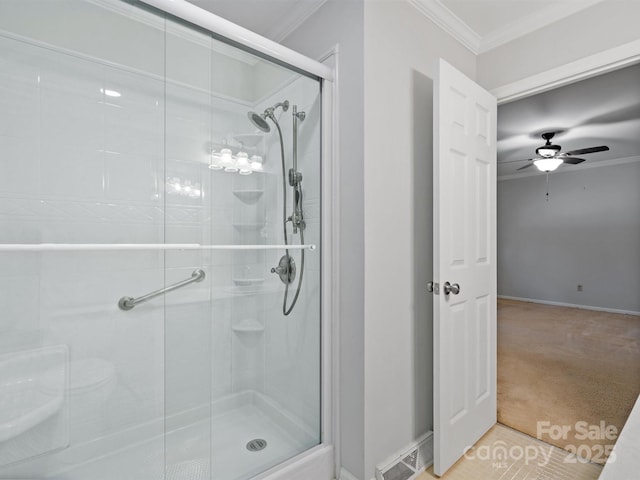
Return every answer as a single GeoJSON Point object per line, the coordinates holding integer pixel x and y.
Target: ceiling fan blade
{"type": "Point", "coordinates": [516, 161]}
{"type": "Point", "coordinates": [584, 151]}
{"type": "Point", "coordinates": [572, 160]}
{"type": "Point", "coordinates": [526, 166]}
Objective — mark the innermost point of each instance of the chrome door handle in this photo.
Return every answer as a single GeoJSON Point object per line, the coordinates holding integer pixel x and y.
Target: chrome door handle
{"type": "Point", "coordinates": [453, 289]}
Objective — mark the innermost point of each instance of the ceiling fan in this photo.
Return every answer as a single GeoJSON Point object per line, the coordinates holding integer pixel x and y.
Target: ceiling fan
{"type": "Point", "coordinates": [549, 157]}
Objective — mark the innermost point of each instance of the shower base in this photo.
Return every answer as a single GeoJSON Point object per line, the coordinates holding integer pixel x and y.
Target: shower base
{"type": "Point", "coordinates": [203, 449]}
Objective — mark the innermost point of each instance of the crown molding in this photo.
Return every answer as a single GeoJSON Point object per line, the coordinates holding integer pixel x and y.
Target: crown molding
{"type": "Point", "coordinates": [533, 22]}
{"type": "Point", "coordinates": [439, 14]}
{"type": "Point", "coordinates": [435, 11]}
{"type": "Point", "coordinates": [294, 18]}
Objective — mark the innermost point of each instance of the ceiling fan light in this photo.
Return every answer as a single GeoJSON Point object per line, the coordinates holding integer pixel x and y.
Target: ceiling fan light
{"type": "Point", "coordinates": [548, 151]}
{"type": "Point", "coordinates": [548, 164]}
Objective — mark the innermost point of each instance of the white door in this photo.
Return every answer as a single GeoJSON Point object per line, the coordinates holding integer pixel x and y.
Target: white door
{"type": "Point", "coordinates": [464, 256]}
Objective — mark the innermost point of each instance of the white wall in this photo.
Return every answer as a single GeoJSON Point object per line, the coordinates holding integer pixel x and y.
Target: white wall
{"type": "Point", "coordinates": [603, 26]}
{"type": "Point", "coordinates": [587, 233]}
{"type": "Point", "coordinates": [401, 49]}
{"type": "Point", "coordinates": [340, 23]}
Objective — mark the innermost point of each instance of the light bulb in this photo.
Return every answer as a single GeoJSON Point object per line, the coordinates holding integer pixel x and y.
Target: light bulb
{"type": "Point", "coordinates": [227, 161]}
{"type": "Point", "coordinates": [256, 163]}
{"type": "Point", "coordinates": [216, 160]}
{"type": "Point", "coordinates": [242, 162]}
{"type": "Point", "coordinates": [110, 93]}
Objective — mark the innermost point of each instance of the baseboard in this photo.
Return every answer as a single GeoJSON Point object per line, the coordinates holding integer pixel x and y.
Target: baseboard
{"type": "Point", "coordinates": [570, 305]}
{"type": "Point", "coordinates": [346, 474]}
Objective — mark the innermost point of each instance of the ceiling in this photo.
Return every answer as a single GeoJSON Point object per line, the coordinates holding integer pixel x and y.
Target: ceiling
{"type": "Point", "coordinates": [480, 25]}
{"type": "Point", "coordinates": [274, 19]}
{"type": "Point", "coordinates": [603, 110]}
{"type": "Point", "coordinates": [488, 16]}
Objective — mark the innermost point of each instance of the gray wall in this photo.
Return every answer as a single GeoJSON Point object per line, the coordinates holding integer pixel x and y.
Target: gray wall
{"type": "Point", "coordinates": [340, 22]}
{"type": "Point", "coordinates": [588, 233]}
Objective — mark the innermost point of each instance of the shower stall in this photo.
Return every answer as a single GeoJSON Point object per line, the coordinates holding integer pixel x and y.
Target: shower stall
{"type": "Point", "coordinates": [163, 247]}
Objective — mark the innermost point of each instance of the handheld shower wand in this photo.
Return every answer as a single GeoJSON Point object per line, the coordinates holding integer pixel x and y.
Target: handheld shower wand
{"type": "Point", "coordinates": [286, 268]}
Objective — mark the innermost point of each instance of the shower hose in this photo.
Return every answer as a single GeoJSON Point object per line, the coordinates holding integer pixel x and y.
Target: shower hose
{"type": "Point", "coordinates": [285, 310]}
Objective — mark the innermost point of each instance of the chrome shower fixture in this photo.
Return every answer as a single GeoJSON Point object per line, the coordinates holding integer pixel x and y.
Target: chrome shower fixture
{"type": "Point", "coordinates": [286, 268]}
{"type": "Point", "coordinates": [260, 119]}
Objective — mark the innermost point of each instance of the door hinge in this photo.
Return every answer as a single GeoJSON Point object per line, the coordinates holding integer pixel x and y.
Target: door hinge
{"type": "Point", "coordinates": [433, 287]}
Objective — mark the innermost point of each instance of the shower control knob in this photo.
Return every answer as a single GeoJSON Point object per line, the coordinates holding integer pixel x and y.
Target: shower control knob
{"type": "Point", "coordinates": [286, 269]}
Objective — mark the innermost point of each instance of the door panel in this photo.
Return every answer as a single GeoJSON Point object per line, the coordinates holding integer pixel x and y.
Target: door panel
{"type": "Point", "coordinates": [464, 254]}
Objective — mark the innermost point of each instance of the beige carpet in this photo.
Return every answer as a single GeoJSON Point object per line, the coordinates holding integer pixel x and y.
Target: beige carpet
{"type": "Point", "coordinates": [538, 460]}
{"type": "Point", "coordinates": [563, 366]}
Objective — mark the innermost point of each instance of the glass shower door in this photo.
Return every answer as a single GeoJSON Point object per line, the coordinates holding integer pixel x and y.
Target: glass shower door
{"type": "Point", "coordinates": [82, 173]}
{"type": "Point", "coordinates": [128, 164]}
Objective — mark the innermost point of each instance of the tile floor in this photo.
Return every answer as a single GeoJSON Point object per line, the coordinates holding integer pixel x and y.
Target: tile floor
{"type": "Point", "coordinates": [538, 460]}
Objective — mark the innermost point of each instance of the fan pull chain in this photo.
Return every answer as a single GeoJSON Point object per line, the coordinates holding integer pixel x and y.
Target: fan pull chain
{"type": "Point", "coordinates": [547, 197]}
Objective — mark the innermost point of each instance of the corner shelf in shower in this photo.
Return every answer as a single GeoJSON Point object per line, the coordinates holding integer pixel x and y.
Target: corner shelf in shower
{"type": "Point", "coordinates": [249, 290]}
{"type": "Point", "coordinates": [248, 326]}
{"type": "Point", "coordinates": [247, 282]}
{"type": "Point", "coordinates": [249, 139]}
{"type": "Point", "coordinates": [248, 226]}
{"type": "Point", "coordinates": [249, 195]}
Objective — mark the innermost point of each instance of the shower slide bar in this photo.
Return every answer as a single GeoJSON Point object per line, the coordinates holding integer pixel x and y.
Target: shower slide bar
{"type": "Point", "coordinates": [61, 247]}
{"type": "Point", "coordinates": [127, 303]}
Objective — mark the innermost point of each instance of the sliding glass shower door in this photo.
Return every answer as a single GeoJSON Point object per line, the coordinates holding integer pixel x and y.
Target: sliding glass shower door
{"type": "Point", "coordinates": [141, 215]}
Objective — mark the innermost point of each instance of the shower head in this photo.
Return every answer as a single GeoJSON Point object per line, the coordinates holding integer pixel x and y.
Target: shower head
{"type": "Point", "coordinates": [260, 119]}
